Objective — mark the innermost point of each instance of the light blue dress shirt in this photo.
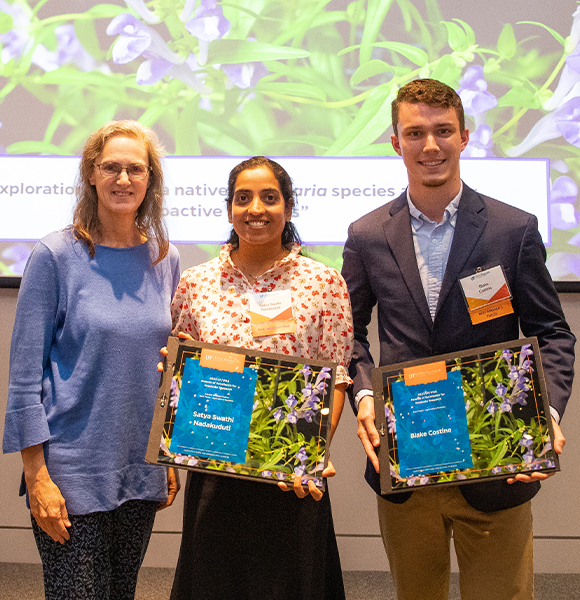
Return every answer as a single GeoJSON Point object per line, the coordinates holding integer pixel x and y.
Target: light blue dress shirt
{"type": "Point", "coordinates": [432, 246]}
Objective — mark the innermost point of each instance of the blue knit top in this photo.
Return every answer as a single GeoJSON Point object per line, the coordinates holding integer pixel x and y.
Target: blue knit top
{"type": "Point", "coordinates": [83, 376]}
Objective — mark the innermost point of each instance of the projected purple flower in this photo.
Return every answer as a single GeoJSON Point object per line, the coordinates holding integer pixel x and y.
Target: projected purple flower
{"type": "Point", "coordinates": [139, 7]}
{"type": "Point", "coordinates": [207, 25]}
{"type": "Point", "coordinates": [562, 200]}
{"type": "Point", "coordinates": [245, 75]}
{"type": "Point", "coordinates": [19, 254]}
{"type": "Point", "coordinates": [564, 121]}
{"type": "Point", "coordinates": [17, 41]}
{"type": "Point", "coordinates": [69, 50]}
{"type": "Point", "coordinates": [473, 92]}
{"type": "Point", "coordinates": [480, 143]}
{"type": "Point", "coordinates": [278, 415]}
{"type": "Point", "coordinates": [136, 39]}
{"type": "Point", "coordinates": [570, 78]}
{"type": "Point", "coordinates": [209, 22]}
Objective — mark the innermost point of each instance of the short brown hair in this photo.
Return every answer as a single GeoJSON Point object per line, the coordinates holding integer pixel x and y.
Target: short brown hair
{"type": "Point", "coordinates": [431, 92]}
{"type": "Point", "coordinates": [149, 218]}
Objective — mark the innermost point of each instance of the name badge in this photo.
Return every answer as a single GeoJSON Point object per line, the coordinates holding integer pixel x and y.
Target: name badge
{"type": "Point", "coordinates": [487, 295]}
{"type": "Point", "coordinates": [271, 313]}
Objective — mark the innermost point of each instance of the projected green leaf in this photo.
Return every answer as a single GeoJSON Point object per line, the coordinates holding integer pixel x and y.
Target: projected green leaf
{"type": "Point", "coordinates": [296, 78]}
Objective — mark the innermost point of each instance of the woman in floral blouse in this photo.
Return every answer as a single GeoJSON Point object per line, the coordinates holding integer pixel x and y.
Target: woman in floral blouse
{"type": "Point", "coordinates": [241, 539]}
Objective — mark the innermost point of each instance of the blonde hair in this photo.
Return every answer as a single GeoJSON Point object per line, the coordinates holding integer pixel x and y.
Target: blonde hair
{"type": "Point", "coordinates": [149, 217]}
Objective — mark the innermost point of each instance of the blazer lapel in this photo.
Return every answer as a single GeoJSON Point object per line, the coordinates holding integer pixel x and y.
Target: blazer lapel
{"type": "Point", "coordinates": [471, 221]}
{"type": "Point", "coordinates": [400, 239]}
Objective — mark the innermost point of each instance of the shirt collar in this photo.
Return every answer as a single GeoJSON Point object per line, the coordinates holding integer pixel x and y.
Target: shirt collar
{"type": "Point", "coordinates": [418, 219]}
{"type": "Point", "coordinates": [226, 250]}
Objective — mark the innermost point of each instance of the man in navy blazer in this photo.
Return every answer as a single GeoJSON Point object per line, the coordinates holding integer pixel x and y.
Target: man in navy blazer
{"type": "Point", "coordinates": [407, 258]}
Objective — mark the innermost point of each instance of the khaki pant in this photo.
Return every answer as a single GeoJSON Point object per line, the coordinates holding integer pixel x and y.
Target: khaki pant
{"type": "Point", "coordinates": [494, 550]}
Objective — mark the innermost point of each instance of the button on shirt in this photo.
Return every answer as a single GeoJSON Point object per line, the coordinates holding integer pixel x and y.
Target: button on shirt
{"type": "Point", "coordinates": [432, 243]}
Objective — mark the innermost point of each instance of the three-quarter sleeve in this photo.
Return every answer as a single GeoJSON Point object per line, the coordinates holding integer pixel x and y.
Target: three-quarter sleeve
{"type": "Point", "coordinates": [34, 329]}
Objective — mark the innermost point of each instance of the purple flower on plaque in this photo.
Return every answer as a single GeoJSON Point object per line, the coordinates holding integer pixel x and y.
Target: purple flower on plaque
{"type": "Point", "coordinates": [301, 455]}
{"type": "Point", "coordinates": [529, 456]}
{"type": "Point", "coordinates": [492, 408]}
{"type": "Point", "coordinates": [174, 394]}
{"type": "Point", "coordinates": [501, 390]}
{"type": "Point", "coordinates": [292, 417]}
{"type": "Point", "coordinates": [527, 440]}
{"type": "Point", "coordinates": [299, 471]}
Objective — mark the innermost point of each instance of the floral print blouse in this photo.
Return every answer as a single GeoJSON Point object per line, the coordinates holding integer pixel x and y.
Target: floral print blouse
{"type": "Point", "coordinates": [212, 305]}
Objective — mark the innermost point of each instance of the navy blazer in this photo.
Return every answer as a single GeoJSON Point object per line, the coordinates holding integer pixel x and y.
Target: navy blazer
{"type": "Point", "coordinates": [380, 268]}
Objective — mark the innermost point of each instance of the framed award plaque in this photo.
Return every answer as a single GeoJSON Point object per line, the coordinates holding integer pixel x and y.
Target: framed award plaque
{"type": "Point", "coordinates": [458, 418]}
{"type": "Point", "coordinates": [242, 413]}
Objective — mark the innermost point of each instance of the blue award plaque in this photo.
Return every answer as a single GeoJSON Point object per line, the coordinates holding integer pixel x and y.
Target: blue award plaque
{"type": "Point", "coordinates": [432, 432]}
{"type": "Point", "coordinates": [214, 412]}
{"type": "Point", "coordinates": [459, 418]}
{"type": "Point", "coordinates": [242, 413]}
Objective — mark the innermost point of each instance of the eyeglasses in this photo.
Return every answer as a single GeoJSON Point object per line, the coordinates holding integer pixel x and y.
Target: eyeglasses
{"type": "Point", "coordinates": [113, 169]}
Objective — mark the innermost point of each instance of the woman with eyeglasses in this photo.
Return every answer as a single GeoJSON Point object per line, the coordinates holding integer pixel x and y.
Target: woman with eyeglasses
{"type": "Point", "coordinates": [92, 312]}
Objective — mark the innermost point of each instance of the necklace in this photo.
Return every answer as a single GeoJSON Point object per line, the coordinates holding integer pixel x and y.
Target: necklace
{"type": "Point", "coordinates": [246, 271]}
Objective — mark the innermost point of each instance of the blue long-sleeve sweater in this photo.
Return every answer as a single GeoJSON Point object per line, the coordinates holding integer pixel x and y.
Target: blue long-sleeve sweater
{"type": "Point", "coordinates": [83, 376]}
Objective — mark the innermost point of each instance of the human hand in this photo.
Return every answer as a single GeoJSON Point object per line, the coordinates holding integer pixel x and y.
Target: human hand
{"type": "Point", "coordinates": [367, 432]}
{"type": "Point", "coordinates": [173, 487]}
{"type": "Point", "coordinates": [559, 443]}
{"type": "Point", "coordinates": [311, 490]}
{"type": "Point", "coordinates": [48, 507]}
{"type": "Point", "coordinates": [164, 352]}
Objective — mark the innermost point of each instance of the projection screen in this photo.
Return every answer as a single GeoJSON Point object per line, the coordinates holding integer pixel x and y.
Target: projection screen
{"type": "Point", "coordinates": [306, 82]}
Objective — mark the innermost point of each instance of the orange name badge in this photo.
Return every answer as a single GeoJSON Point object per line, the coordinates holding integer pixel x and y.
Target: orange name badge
{"type": "Point", "coordinates": [429, 373]}
{"type": "Point", "coordinates": [222, 361]}
{"type": "Point", "coordinates": [487, 295]}
{"type": "Point", "coordinates": [271, 313]}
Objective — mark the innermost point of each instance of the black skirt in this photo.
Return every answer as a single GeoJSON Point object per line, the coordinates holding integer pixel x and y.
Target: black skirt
{"type": "Point", "coordinates": [250, 540]}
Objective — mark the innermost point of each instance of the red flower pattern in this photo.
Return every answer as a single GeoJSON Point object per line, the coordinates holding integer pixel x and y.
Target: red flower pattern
{"type": "Point", "coordinates": [323, 320]}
